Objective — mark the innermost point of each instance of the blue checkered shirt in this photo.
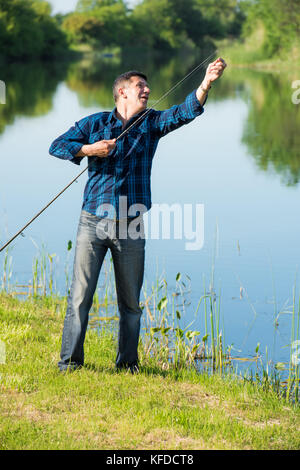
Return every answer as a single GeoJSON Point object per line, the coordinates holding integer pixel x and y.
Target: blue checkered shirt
{"type": "Point", "coordinates": [125, 172]}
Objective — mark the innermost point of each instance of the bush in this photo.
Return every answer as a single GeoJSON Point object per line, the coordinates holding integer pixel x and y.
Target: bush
{"type": "Point", "coordinates": [28, 31]}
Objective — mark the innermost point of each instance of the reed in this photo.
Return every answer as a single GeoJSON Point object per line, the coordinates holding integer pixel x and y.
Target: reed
{"type": "Point", "coordinates": [167, 341]}
{"type": "Point", "coordinates": [293, 377]}
{"type": "Point", "coordinates": [7, 270]}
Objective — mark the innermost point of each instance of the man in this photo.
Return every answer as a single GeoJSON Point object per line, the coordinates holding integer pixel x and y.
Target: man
{"type": "Point", "coordinates": [117, 169]}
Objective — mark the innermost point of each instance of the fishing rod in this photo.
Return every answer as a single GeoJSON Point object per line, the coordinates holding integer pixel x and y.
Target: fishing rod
{"type": "Point", "coordinates": [119, 137]}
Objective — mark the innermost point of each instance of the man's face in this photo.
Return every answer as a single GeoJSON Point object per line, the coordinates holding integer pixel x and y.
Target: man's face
{"type": "Point", "coordinates": [137, 92]}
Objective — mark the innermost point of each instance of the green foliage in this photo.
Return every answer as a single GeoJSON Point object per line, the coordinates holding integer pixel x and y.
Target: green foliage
{"type": "Point", "coordinates": [280, 20]}
{"type": "Point", "coordinates": [155, 24]}
{"type": "Point", "coordinates": [84, 6]}
{"type": "Point", "coordinates": [168, 23]}
{"type": "Point", "coordinates": [157, 409]}
{"type": "Point", "coordinates": [98, 23]}
{"type": "Point", "coordinates": [80, 28]}
{"type": "Point", "coordinates": [223, 17]}
{"type": "Point", "coordinates": [28, 31]}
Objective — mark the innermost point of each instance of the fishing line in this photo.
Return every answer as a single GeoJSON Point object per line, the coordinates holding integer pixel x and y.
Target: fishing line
{"type": "Point", "coordinates": [119, 137]}
{"type": "Point", "coordinates": [166, 94]}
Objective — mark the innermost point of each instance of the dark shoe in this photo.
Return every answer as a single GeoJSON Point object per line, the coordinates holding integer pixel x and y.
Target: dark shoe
{"type": "Point", "coordinates": [70, 368]}
{"type": "Point", "coordinates": [133, 368]}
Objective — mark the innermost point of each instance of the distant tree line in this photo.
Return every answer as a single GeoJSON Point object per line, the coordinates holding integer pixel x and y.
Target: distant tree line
{"type": "Point", "coordinates": [27, 29]}
{"type": "Point", "coordinates": [158, 24]}
{"type": "Point", "coordinates": [280, 20]}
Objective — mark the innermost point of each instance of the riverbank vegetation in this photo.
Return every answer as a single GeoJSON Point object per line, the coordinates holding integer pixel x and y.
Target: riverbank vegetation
{"type": "Point", "coordinates": [173, 338]}
{"type": "Point", "coordinates": [245, 31]}
{"type": "Point", "coordinates": [29, 32]}
{"type": "Point", "coordinates": [190, 393]}
{"type": "Point", "coordinates": [270, 35]}
{"type": "Point", "coordinates": [164, 24]}
{"type": "Point", "coordinates": [99, 408]}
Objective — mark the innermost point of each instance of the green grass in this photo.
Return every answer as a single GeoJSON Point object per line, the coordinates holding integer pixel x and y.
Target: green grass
{"type": "Point", "coordinates": [99, 408]}
{"type": "Point", "coordinates": [251, 53]}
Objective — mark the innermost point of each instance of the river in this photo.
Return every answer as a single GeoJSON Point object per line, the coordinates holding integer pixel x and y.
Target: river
{"type": "Point", "coordinates": [239, 161]}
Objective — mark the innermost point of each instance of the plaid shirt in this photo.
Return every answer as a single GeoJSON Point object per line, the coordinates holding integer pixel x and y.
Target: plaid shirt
{"type": "Point", "coordinates": [127, 171]}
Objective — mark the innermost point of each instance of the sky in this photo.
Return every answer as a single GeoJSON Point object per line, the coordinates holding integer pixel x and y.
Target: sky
{"type": "Point", "coordinates": [66, 6]}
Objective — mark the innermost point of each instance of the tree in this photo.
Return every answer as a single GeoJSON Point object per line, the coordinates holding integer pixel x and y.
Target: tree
{"type": "Point", "coordinates": [280, 20]}
{"type": "Point", "coordinates": [82, 28]}
{"type": "Point", "coordinates": [85, 6]}
{"type": "Point", "coordinates": [28, 30]}
{"type": "Point", "coordinates": [224, 17]}
{"type": "Point", "coordinates": [98, 22]}
{"type": "Point", "coordinates": [168, 23]}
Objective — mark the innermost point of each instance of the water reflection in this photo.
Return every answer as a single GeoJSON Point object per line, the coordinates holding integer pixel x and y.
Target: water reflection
{"type": "Point", "coordinates": [93, 80]}
{"type": "Point", "coordinates": [29, 90]}
{"type": "Point", "coordinates": [271, 130]}
{"type": "Point", "coordinates": [249, 105]}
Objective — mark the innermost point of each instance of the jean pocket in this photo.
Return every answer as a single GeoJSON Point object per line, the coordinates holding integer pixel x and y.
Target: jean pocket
{"type": "Point", "coordinates": [88, 219]}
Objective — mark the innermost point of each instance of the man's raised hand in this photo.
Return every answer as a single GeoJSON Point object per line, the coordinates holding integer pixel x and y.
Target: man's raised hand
{"type": "Point", "coordinates": [214, 71]}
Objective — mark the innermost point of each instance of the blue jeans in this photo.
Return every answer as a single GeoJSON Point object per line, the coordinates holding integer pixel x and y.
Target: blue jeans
{"type": "Point", "coordinates": [95, 236]}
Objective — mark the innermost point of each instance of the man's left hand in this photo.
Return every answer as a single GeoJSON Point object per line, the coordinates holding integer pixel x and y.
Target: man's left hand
{"type": "Point", "coordinates": [214, 71]}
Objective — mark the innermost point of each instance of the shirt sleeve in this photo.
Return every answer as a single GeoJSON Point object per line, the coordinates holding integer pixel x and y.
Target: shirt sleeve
{"type": "Point", "coordinates": [178, 115]}
{"type": "Point", "coordinates": [68, 144]}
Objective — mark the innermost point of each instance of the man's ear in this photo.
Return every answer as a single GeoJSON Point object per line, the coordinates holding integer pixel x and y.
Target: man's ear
{"type": "Point", "coordinates": [122, 92]}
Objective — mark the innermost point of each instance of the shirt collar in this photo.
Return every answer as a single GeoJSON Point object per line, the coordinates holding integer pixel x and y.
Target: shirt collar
{"type": "Point", "coordinates": [112, 116]}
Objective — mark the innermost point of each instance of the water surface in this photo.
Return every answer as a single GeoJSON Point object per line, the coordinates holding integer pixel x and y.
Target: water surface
{"type": "Point", "coordinates": [240, 159]}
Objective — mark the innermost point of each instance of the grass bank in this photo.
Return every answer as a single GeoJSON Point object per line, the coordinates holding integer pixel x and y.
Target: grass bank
{"type": "Point", "coordinates": [250, 53]}
{"type": "Point", "coordinates": [98, 408]}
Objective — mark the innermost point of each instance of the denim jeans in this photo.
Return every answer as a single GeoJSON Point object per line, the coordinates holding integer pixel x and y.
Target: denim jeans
{"type": "Point", "coordinates": [94, 237]}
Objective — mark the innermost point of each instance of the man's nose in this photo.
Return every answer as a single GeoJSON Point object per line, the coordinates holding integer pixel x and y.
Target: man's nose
{"type": "Point", "coordinates": [147, 89]}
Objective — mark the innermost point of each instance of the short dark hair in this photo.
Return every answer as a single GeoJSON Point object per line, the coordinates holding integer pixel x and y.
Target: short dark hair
{"type": "Point", "coordinates": [125, 77]}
